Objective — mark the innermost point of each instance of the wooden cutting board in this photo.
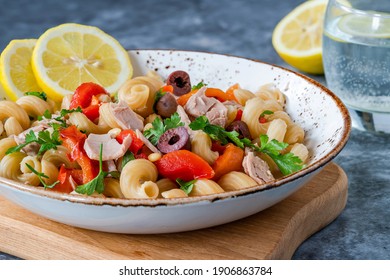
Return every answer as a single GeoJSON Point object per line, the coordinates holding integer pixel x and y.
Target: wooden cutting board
{"type": "Point", "coordinates": [274, 233]}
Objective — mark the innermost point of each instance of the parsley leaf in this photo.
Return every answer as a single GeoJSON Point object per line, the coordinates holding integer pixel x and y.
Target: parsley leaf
{"type": "Point", "coordinates": [287, 163]}
{"type": "Point", "coordinates": [198, 86]}
{"type": "Point", "coordinates": [266, 112]}
{"type": "Point", "coordinates": [96, 184]}
{"type": "Point", "coordinates": [40, 176]}
{"type": "Point", "coordinates": [159, 127]}
{"type": "Point", "coordinates": [186, 186]}
{"type": "Point", "coordinates": [40, 95]}
{"type": "Point", "coordinates": [128, 156]}
{"type": "Point", "coordinates": [46, 141]}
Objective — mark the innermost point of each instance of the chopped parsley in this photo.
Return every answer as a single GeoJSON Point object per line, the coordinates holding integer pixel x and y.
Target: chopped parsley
{"type": "Point", "coordinates": [46, 141]}
{"type": "Point", "coordinates": [96, 184]}
{"type": "Point", "coordinates": [198, 86]}
{"type": "Point", "coordinates": [128, 156]}
{"type": "Point", "coordinates": [40, 176]}
{"type": "Point", "coordinates": [288, 163]}
{"type": "Point", "coordinates": [186, 186]}
{"type": "Point", "coordinates": [40, 95]}
{"type": "Point", "coordinates": [159, 127]}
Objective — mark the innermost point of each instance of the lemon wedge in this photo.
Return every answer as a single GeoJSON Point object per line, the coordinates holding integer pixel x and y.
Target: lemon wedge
{"type": "Point", "coordinates": [297, 38]}
{"type": "Point", "coordinates": [16, 74]}
{"type": "Point", "coordinates": [70, 54]}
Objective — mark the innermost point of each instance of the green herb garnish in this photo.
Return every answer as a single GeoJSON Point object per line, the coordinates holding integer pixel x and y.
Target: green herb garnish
{"type": "Point", "coordinates": [40, 95]}
{"type": "Point", "coordinates": [288, 163]}
{"type": "Point", "coordinates": [46, 141]}
{"type": "Point", "coordinates": [128, 156]}
{"type": "Point", "coordinates": [159, 127]}
{"type": "Point", "coordinates": [198, 86]}
{"type": "Point", "coordinates": [186, 186]}
{"type": "Point", "coordinates": [266, 112]}
{"type": "Point", "coordinates": [40, 176]}
{"type": "Point", "coordinates": [97, 183]}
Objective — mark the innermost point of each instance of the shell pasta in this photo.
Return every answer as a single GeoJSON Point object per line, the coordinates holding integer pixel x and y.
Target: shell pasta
{"type": "Point", "coordinates": [153, 139]}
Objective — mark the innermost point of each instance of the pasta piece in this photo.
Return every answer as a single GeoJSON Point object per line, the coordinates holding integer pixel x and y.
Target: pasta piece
{"type": "Point", "coordinates": [59, 157]}
{"type": "Point", "coordinates": [11, 109]}
{"type": "Point", "coordinates": [137, 179]}
{"type": "Point", "coordinates": [243, 95]}
{"type": "Point", "coordinates": [294, 134]}
{"type": "Point", "coordinates": [174, 193]}
{"type": "Point", "coordinates": [139, 93]}
{"type": "Point", "coordinates": [12, 127]}
{"type": "Point", "coordinates": [279, 115]}
{"type": "Point", "coordinates": [301, 151]}
{"type": "Point", "coordinates": [231, 113]}
{"type": "Point", "coordinates": [277, 130]}
{"type": "Point", "coordinates": [50, 170]}
{"type": "Point", "coordinates": [83, 123]}
{"type": "Point", "coordinates": [10, 165]}
{"type": "Point", "coordinates": [201, 145]}
{"type": "Point", "coordinates": [33, 105]}
{"type": "Point", "coordinates": [205, 187]}
{"type": "Point", "coordinates": [27, 176]}
{"type": "Point", "coordinates": [253, 109]}
{"type": "Point", "coordinates": [164, 185]}
{"type": "Point", "coordinates": [112, 188]}
{"type": "Point", "coordinates": [236, 180]}
{"type": "Point", "coordinates": [5, 144]}
{"type": "Point", "coordinates": [271, 92]}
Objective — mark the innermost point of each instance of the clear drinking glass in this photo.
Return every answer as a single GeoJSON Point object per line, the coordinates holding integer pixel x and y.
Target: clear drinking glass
{"type": "Point", "coordinates": [356, 57]}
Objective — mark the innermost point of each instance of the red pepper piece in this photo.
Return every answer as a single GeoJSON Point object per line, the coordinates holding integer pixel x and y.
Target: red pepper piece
{"type": "Point", "coordinates": [185, 165]}
{"type": "Point", "coordinates": [136, 143]}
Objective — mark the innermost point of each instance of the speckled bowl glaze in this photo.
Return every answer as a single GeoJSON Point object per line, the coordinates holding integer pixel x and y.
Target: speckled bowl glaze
{"type": "Point", "coordinates": [322, 115]}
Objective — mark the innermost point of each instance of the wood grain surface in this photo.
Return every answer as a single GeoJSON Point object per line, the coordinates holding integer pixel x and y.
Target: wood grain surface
{"type": "Point", "coordinates": [274, 233]}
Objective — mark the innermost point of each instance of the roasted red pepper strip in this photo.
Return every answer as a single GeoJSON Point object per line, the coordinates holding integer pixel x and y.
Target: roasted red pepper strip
{"type": "Point", "coordinates": [85, 97]}
{"type": "Point", "coordinates": [230, 160]}
{"type": "Point", "coordinates": [64, 175]}
{"type": "Point", "coordinates": [74, 140]}
{"type": "Point", "coordinates": [136, 143]}
{"type": "Point", "coordinates": [185, 165]}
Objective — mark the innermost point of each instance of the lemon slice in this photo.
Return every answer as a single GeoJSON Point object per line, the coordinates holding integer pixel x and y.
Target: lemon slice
{"type": "Point", "coordinates": [70, 54]}
{"type": "Point", "coordinates": [16, 74]}
{"type": "Point", "coordinates": [297, 38]}
{"type": "Point", "coordinates": [365, 26]}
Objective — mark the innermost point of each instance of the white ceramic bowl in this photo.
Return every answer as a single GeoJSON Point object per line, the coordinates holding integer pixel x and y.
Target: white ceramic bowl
{"type": "Point", "coordinates": [322, 115]}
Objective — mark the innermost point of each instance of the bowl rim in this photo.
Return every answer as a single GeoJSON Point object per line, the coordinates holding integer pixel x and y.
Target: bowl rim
{"type": "Point", "coordinates": [129, 202]}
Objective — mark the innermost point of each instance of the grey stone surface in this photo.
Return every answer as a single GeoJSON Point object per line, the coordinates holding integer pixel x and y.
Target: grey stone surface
{"type": "Point", "coordinates": [242, 28]}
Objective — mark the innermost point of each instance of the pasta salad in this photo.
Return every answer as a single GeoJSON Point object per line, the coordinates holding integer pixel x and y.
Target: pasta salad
{"type": "Point", "coordinates": [151, 139]}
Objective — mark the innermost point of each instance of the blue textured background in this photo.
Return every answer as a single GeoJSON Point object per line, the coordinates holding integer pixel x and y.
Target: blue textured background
{"type": "Point", "coordinates": [242, 28]}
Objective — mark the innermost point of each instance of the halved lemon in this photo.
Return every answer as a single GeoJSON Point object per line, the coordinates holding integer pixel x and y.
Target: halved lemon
{"type": "Point", "coordinates": [16, 74]}
{"type": "Point", "coordinates": [297, 38]}
{"type": "Point", "coordinates": [70, 54]}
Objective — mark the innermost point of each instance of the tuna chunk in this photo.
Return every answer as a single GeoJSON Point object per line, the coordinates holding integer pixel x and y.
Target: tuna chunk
{"type": "Point", "coordinates": [31, 149]}
{"type": "Point", "coordinates": [111, 148]}
{"type": "Point", "coordinates": [125, 117]}
{"type": "Point", "coordinates": [201, 105]}
{"type": "Point", "coordinates": [185, 119]}
{"type": "Point", "coordinates": [257, 168]}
